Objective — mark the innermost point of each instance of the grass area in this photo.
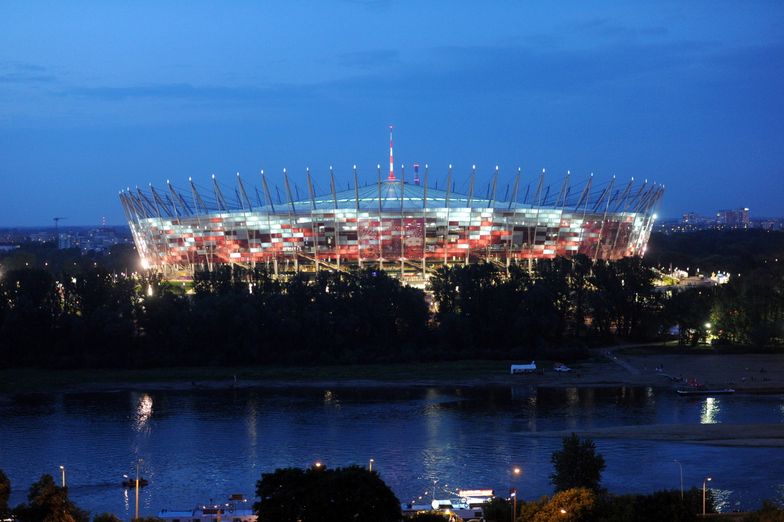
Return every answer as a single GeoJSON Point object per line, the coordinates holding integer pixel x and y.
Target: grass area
{"type": "Point", "coordinates": [32, 379]}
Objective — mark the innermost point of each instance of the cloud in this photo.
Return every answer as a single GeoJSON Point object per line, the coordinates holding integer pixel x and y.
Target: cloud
{"type": "Point", "coordinates": [186, 91]}
{"type": "Point", "coordinates": [21, 72]}
{"type": "Point", "coordinates": [560, 70]}
{"type": "Point", "coordinates": [607, 28]}
{"type": "Point", "coordinates": [516, 71]}
{"type": "Point", "coordinates": [467, 72]}
{"type": "Point", "coordinates": [366, 60]}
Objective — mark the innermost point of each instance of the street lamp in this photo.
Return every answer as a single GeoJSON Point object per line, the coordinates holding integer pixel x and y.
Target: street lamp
{"type": "Point", "coordinates": [513, 494]}
{"type": "Point", "coordinates": [704, 489]}
{"type": "Point", "coordinates": [516, 471]}
{"type": "Point", "coordinates": [680, 466]}
{"type": "Point", "coordinates": [138, 461]}
{"type": "Point", "coordinates": [62, 474]}
{"type": "Point", "coordinates": [370, 464]}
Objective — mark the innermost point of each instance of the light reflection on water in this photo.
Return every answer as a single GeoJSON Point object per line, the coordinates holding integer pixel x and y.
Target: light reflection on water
{"type": "Point", "coordinates": [205, 444]}
{"type": "Point", "coordinates": [711, 409]}
{"type": "Point", "coordinates": [143, 411]}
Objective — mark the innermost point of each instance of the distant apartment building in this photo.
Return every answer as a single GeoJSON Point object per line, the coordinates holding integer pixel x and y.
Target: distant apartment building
{"type": "Point", "coordinates": [65, 240]}
{"type": "Point", "coordinates": [738, 218]}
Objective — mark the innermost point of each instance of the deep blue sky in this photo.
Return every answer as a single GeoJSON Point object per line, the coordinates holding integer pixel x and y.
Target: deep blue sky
{"type": "Point", "coordinates": [96, 96]}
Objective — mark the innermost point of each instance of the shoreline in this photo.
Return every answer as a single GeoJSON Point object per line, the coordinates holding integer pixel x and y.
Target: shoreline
{"type": "Point", "coordinates": [735, 435]}
{"type": "Point", "coordinates": [606, 369]}
{"type": "Point", "coordinates": [746, 373]}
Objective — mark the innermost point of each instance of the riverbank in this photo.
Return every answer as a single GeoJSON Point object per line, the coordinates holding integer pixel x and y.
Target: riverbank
{"type": "Point", "coordinates": [31, 380]}
{"type": "Point", "coordinates": [741, 435]}
{"type": "Point", "coordinates": [747, 373]}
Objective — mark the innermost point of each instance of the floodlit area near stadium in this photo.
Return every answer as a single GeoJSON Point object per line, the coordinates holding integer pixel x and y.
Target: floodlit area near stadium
{"type": "Point", "coordinates": [407, 227]}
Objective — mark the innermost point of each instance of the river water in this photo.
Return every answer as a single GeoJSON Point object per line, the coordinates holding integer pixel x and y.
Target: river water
{"type": "Point", "coordinates": [198, 445]}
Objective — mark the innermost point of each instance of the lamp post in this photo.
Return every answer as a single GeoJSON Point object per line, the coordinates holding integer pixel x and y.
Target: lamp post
{"type": "Point", "coordinates": [513, 494]}
{"type": "Point", "coordinates": [704, 489]}
{"type": "Point", "coordinates": [370, 464]}
{"type": "Point", "coordinates": [62, 474]}
{"type": "Point", "coordinates": [516, 471]}
{"type": "Point", "coordinates": [138, 461]}
{"type": "Point", "coordinates": [681, 467]}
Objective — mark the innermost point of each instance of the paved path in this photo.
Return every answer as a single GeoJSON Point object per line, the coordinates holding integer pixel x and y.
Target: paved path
{"type": "Point", "coordinates": [623, 364]}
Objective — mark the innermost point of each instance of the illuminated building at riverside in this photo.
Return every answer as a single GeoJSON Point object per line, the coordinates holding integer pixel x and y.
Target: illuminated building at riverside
{"type": "Point", "coordinates": [408, 226]}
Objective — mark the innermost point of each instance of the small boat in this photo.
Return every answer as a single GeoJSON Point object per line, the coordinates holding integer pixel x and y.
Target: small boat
{"type": "Point", "coordinates": [131, 483]}
{"type": "Point", "coordinates": [694, 387]}
{"type": "Point", "coordinates": [704, 391]}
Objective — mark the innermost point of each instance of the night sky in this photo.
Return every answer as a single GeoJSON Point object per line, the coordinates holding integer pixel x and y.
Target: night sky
{"type": "Point", "coordinates": [97, 96]}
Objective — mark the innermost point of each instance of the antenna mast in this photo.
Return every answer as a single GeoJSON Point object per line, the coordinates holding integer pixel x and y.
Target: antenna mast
{"type": "Point", "coordinates": [391, 158]}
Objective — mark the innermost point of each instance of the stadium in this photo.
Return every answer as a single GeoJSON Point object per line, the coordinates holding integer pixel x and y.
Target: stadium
{"type": "Point", "coordinates": [406, 227]}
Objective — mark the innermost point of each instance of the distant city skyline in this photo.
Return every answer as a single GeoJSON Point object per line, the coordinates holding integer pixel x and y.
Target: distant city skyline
{"type": "Point", "coordinates": [98, 97]}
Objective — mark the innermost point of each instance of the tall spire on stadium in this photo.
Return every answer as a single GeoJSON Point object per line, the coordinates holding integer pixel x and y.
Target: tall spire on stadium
{"type": "Point", "coordinates": [391, 158]}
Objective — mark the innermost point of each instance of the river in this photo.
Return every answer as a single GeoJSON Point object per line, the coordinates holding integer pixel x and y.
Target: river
{"type": "Point", "coordinates": [199, 444]}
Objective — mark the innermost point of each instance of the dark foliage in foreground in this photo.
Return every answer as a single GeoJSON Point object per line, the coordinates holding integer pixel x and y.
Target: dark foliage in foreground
{"type": "Point", "coordinates": [659, 505]}
{"type": "Point", "coordinates": [585, 505]}
{"type": "Point", "coordinates": [577, 465]}
{"type": "Point", "coordinates": [106, 517]}
{"type": "Point", "coordinates": [768, 513]}
{"type": "Point", "coordinates": [5, 493]}
{"type": "Point", "coordinates": [325, 495]}
{"type": "Point", "coordinates": [48, 502]}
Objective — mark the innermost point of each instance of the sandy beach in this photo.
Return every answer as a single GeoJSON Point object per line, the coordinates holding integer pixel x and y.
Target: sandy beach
{"type": "Point", "coordinates": [746, 373]}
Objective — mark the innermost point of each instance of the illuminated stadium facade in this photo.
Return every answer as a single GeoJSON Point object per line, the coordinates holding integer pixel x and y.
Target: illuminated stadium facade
{"type": "Point", "coordinates": [408, 227]}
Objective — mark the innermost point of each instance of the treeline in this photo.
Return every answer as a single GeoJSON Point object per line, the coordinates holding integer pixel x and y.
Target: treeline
{"type": "Point", "coordinates": [732, 251]}
{"type": "Point", "coordinates": [237, 316]}
{"type": "Point", "coordinates": [92, 317]}
{"type": "Point", "coordinates": [564, 303]}
{"type": "Point", "coordinates": [749, 310]}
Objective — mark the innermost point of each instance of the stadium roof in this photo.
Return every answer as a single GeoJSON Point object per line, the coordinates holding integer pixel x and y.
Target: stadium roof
{"type": "Point", "coordinates": [389, 196]}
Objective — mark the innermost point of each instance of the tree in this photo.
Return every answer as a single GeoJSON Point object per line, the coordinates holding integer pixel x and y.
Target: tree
{"type": "Point", "coordinates": [49, 503]}
{"type": "Point", "coordinates": [325, 495]}
{"type": "Point", "coordinates": [769, 513]}
{"type": "Point", "coordinates": [690, 310]}
{"type": "Point", "coordinates": [660, 505]}
{"type": "Point", "coordinates": [571, 505]}
{"type": "Point", "coordinates": [577, 465]}
{"type": "Point", "coordinates": [497, 509]}
{"type": "Point", "coordinates": [5, 492]}
{"type": "Point", "coordinates": [106, 517]}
